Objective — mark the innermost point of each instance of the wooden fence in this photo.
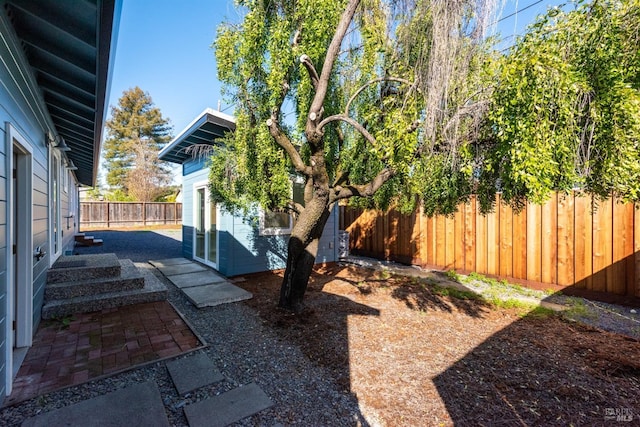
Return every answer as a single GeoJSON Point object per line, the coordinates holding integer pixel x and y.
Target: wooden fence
{"type": "Point", "coordinates": [563, 242]}
{"type": "Point", "coordinates": [128, 214]}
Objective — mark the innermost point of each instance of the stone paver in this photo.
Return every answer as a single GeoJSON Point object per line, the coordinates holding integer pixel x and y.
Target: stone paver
{"type": "Point", "coordinates": [227, 408]}
{"type": "Point", "coordinates": [137, 405]}
{"type": "Point", "coordinates": [198, 278]}
{"type": "Point", "coordinates": [169, 261]}
{"type": "Point", "coordinates": [172, 270]}
{"type": "Point", "coordinates": [193, 372]}
{"type": "Point", "coordinates": [212, 295]}
{"type": "Point", "coordinates": [201, 285]}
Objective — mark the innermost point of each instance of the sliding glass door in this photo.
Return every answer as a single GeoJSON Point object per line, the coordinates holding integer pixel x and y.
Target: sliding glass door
{"type": "Point", "coordinates": [205, 247]}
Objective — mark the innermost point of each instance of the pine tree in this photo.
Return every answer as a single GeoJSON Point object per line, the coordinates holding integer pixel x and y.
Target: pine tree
{"type": "Point", "coordinates": [136, 133]}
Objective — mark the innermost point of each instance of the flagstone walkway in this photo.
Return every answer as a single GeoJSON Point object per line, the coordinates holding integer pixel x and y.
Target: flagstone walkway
{"type": "Point", "coordinates": [201, 285]}
{"type": "Point", "coordinates": [141, 404]}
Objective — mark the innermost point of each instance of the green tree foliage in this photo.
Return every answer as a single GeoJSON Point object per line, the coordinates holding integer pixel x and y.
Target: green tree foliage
{"type": "Point", "coordinates": [566, 110]}
{"type": "Point", "coordinates": [136, 133]}
{"type": "Point", "coordinates": [363, 99]}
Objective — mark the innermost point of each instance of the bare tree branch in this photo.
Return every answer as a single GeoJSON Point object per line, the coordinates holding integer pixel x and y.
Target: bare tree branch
{"type": "Point", "coordinates": [330, 58]}
{"type": "Point", "coordinates": [362, 190]}
{"type": "Point", "coordinates": [342, 178]}
{"type": "Point", "coordinates": [344, 118]}
{"type": "Point", "coordinates": [284, 142]}
{"type": "Point", "coordinates": [369, 83]}
{"type": "Point", "coordinates": [306, 61]}
{"type": "Point", "coordinates": [199, 150]}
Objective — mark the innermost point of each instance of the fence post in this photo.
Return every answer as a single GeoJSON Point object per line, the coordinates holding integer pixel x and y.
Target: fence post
{"type": "Point", "coordinates": [108, 209]}
{"type": "Point", "coordinates": [144, 213]}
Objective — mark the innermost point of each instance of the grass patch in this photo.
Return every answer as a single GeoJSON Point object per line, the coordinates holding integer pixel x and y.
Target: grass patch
{"type": "Point", "coordinates": [452, 275]}
{"type": "Point", "coordinates": [510, 303]}
{"type": "Point", "coordinates": [495, 288]}
{"type": "Point", "coordinates": [454, 293]}
{"type": "Point", "coordinates": [385, 274]}
{"type": "Point", "coordinates": [524, 308]}
{"type": "Point", "coordinates": [540, 312]}
{"type": "Point", "coordinates": [578, 309]}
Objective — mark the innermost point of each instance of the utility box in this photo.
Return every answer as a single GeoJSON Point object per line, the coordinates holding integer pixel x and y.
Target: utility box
{"type": "Point", "coordinates": [343, 244]}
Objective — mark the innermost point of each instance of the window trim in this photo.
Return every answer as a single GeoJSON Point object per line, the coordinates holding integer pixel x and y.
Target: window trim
{"type": "Point", "coordinates": [65, 179]}
{"type": "Point", "coordinates": [274, 231]}
{"type": "Point", "coordinates": [279, 231]}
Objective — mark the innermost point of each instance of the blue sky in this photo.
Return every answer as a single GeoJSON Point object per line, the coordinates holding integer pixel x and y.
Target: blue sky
{"type": "Point", "coordinates": [164, 47]}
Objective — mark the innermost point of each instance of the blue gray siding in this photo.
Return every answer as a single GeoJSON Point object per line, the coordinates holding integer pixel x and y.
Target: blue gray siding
{"type": "Point", "coordinates": [242, 250]}
{"type": "Point", "coordinates": [22, 107]}
{"type": "Point", "coordinates": [195, 165]}
{"type": "Point", "coordinates": [187, 241]}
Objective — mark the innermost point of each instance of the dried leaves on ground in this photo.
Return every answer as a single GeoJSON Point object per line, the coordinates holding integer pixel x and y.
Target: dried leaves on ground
{"type": "Point", "coordinates": [413, 355]}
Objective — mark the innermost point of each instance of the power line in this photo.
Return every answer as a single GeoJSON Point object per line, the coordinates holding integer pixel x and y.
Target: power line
{"type": "Point", "coordinates": [516, 12]}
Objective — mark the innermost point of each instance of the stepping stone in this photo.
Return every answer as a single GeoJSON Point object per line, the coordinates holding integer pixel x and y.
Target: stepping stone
{"type": "Point", "coordinates": [212, 295]}
{"type": "Point", "coordinates": [136, 405]}
{"type": "Point", "coordinates": [193, 372]}
{"type": "Point", "coordinates": [227, 408]}
{"type": "Point", "coordinates": [169, 261]}
{"type": "Point", "coordinates": [172, 270]}
{"type": "Point", "coordinates": [198, 278]}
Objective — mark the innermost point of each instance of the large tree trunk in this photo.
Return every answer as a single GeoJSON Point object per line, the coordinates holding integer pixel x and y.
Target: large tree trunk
{"type": "Point", "coordinates": [301, 256]}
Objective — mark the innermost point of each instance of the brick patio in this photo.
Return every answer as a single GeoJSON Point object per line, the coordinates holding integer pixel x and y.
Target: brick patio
{"type": "Point", "coordinates": [101, 343]}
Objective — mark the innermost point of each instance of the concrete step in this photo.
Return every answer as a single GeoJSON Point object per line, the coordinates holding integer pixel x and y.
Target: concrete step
{"type": "Point", "coordinates": [130, 278]}
{"type": "Point", "coordinates": [84, 267]}
{"type": "Point", "coordinates": [153, 290]}
{"type": "Point", "coordinates": [83, 240]}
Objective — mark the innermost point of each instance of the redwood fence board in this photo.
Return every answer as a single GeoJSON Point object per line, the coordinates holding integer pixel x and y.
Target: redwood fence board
{"type": "Point", "coordinates": [127, 214]}
{"type": "Point", "coordinates": [562, 242]}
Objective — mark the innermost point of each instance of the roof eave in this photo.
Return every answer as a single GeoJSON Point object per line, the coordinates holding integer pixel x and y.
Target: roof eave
{"type": "Point", "coordinates": [207, 116]}
{"type": "Point", "coordinates": [109, 24]}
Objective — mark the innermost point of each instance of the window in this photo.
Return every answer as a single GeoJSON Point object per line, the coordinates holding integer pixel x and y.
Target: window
{"type": "Point", "coordinates": [65, 180]}
{"type": "Point", "coordinates": [55, 204]}
{"type": "Point", "coordinates": [281, 223]}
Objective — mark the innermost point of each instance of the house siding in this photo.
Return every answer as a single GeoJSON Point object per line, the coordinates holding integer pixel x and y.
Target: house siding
{"type": "Point", "coordinates": [241, 248]}
{"type": "Point", "coordinates": [21, 106]}
{"type": "Point", "coordinates": [187, 241]}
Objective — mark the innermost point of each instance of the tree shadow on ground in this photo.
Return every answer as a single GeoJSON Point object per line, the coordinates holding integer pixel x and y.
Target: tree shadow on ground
{"type": "Point", "coordinates": [543, 371]}
{"type": "Point", "coordinates": [320, 331]}
{"type": "Point", "coordinates": [335, 294]}
{"type": "Point", "coordinates": [424, 294]}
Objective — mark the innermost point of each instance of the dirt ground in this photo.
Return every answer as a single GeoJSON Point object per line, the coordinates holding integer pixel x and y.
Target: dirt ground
{"type": "Point", "coordinates": [412, 355]}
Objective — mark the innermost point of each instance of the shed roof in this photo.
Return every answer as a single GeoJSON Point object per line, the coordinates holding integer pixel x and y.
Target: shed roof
{"type": "Point", "coordinates": [206, 129]}
{"type": "Point", "coordinates": [70, 47]}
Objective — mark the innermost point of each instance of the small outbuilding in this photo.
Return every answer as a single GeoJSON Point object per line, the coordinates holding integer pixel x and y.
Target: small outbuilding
{"type": "Point", "coordinates": [232, 244]}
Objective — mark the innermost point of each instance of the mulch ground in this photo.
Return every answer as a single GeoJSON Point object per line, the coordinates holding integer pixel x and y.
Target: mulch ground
{"type": "Point", "coordinates": [412, 356]}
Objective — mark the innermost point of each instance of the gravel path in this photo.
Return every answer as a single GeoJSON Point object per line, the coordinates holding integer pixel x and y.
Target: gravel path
{"type": "Point", "coordinates": [241, 347]}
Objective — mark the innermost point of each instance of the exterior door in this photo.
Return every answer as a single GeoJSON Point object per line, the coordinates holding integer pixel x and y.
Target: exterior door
{"type": "Point", "coordinates": [19, 258]}
{"type": "Point", "coordinates": [205, 248]}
